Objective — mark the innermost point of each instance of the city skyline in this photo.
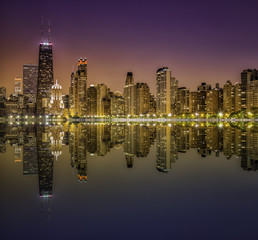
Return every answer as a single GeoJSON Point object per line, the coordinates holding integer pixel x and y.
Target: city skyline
{"type": "Point", "coordinates": [218, 55]}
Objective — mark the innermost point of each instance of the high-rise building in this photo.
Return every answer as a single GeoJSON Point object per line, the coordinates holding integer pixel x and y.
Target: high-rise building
{"type": "Point", "coordinates": [78, 90]}
{"type": "Point", "coordinates": [142, 103]}
{"type": "Point", "coordinates": [129, 94]}
{"type": "Point", "coordinates": [193, 102]}
{"type": "Point", "coordinates": [92, 101]}
{"type": "Point", "coordinates": [213, 100]}
{"type": "Point", "coordinates": [247, 76]}
{"type": "Point", "coordinates": [102, 93]}
{"type": "Point", "coordinates": [117, 104]}
{"type": "Point", "coordinates": [152, 110]}
{"type": "Point", "coordinates": [201, 97]}
{"type": "Point", "coordinates": [17, 86]}
{"type": "Point", "coordinates": [56, 104]}
{"type": "Point", "coordinates": [228, 98]}
{"type": "Point", "coordinates": [252, 95]}
{"type": "Point", "coordinates": [45, 77]}
{"type": "Point", "coordinates": [30, 78]}
{"type": "Point", "coordinates": [166, 87]}
{"type": "Point", "coordinates": [237, 97]}
{"type": "Point", "coordinates": [2, 101]}
{"type": "Point", "coordinates": [182, 101]}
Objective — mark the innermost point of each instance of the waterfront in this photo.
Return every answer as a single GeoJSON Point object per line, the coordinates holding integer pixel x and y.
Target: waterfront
{"type": "Point", "coordinates": [124, 181]}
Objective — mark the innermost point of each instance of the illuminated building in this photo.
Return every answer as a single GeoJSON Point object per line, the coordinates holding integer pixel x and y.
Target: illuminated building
{"type": "Point", "coordinates": [142, 103]}
{"type": "Point", "coordinates": [129, 94]}
{"type": "Point", "coordinates": [30, 78]}
{"type": "Point", "coordinates": [237, 97]}
{"type": "Point", "coordinates": [166, 88]}
{"type": "Point", "coordinates": [45, 77]}
{"type": "Point", "coordinates": [252, 95]}
{"type": "Point", "coordinates": [152, 104]}
{"type": "Point", "coordinates": [193, 102]}
{"type": "Point", "coordinates": [213, 100]}
{"type": "Point", "coordinates": [247, 76]}
{"type": "Point", "coordinates": [30, 161]}
{"type": "Point", "coordinates": [92, 100]}
{"type": "Point", "coordinates": [102, 93]}
{"type": "Point", "coordinates": [182, 101]}
{"type": "Point", "coordinates": [17, 86]}
{"type": "Point", "coordinates": [2, 101]}
{"type": "Point", "coordinates": [228, 98]}
{"type": "Point", "coordinates": [201, 97]}
{"type": "Point", "coordinates": [78, 90]}
{"type": "Point", "coordinates": [117, 104]}
{"type": "Point", "coordinates": [56, 104]}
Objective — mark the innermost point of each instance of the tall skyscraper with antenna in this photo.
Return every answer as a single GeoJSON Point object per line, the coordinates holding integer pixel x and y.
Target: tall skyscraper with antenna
{"type": "Point", "coordinates": [45, 73]}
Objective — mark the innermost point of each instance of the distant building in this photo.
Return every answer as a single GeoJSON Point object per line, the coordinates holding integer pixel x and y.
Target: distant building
{"type": "Point", "coordinates": [182, 101]}
{"type": "Point", "coordinates": [193, 102]}
{"type": "Point", "coordinates": [142, 103]}
{"type": "Point", "coordinates": [92, 101]}
{"type": "Point", "coordinates": [228, 98]}
{"type": "Point", "coordinates": [17, 86]}
{"type": "Point", "coordinates": [201, 97]}
{"type": "Point", "coordinates": [30, 78]}
{"type": "Point", "coordinates": [152, 104]}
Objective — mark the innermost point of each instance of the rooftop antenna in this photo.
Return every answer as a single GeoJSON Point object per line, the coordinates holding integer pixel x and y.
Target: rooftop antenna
{"type": "Point", "coordinates": [48, 30]}
{"type": "Point", "coordinates": [42, 29]}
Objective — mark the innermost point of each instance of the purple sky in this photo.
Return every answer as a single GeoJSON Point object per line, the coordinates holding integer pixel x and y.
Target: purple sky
{"type": "Point", "coordinates": [210, 41]}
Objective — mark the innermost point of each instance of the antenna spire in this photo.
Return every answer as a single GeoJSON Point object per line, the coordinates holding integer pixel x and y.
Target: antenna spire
{"type": "Point", "coordinates": [49, 30]}
{"type": "Point", "coordinates": [42, 29]}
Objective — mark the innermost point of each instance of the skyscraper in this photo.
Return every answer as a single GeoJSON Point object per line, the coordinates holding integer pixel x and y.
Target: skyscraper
{"type": "Point", "coordinates": [129, 93]}
{"type": "Point", "coordinates": [30, 78]}
{"type": "Point", "coordinates": [78, 90]}
{"type": "Point", "coordinates": [142, 105]}
{"type": "Point", "coordinates": [56, 104]}
{"type": "Point", "coordinates": [45, 75]}
{"type": "Point", "coordinates": [166, 88]}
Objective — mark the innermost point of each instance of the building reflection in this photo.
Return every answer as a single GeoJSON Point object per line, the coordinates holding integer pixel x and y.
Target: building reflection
{"type": "Point", "coordinates": [38, 146]}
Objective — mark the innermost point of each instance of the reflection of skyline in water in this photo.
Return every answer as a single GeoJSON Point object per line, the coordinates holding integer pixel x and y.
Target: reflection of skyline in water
{"type": "Point", "coordinates": [39, 146]}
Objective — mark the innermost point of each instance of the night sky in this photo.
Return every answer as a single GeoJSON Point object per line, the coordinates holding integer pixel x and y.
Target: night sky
{"type": "Point", "coordinates": [210, 41]}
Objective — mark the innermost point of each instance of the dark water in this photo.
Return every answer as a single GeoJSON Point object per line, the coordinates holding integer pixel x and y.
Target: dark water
{"type": "Point", "coordinates": [102, 181]}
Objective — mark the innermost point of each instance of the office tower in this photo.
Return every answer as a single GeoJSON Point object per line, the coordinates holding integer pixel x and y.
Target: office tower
{"type": "Point", "coordinates": [117, 105]}
{"type": "Point", "coordinates": [78, 91]}
{"type": "Point", "coordinates": [182, 101]}
{"type": "Point", "coordinates": [247, 76]}
{"type": "Point", "coordinates": [102, 93]}
{"type": "Point", "coordinates": [71, 96]}
{"type": "Point", "coordinates": [56, 104]}
{"type": "Point", "coordinates": [201, 97]}
{"type": "Point", "coordinates": [45, 77]}
{"type": "Point", "coordinates": [166, 88]}
{"type": "Point", "coordinates": [252, 96]}
{"type": "Point", "coordinates": [237, 97]}
{"type": "Point", "coordinates": [213, 101]}
{"type": "Point", "coordinates": [193, 102]}
{"type": "Point", "coordinates": [2, 93]}
{"type": "Point", "coordinates": [129, 94]}
{"type": "Point", "coordinates": [17, 86]}
{"type": "Point", "coordinates": [152, 110]}
{"type": "Point", "coordinates": [30, 78]}
{"type": "Point", "coordinates": [142, 97]}
{"type": "Point", "coordinates": [228, 98]}
{"type": "Point", "coordinates": [92, 101]}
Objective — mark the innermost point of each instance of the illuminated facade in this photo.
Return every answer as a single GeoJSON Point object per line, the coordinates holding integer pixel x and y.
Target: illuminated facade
{"type": "Point", "coordinates": [30, 78]}
{"type": "Point", "coordinates": [228, 98]}
{"type": "Point", "coordinates": [129, 94]}
{"type": "Point", "coordinates": [56, 104]}
{"type": "Point", "coordinates": [45, 77]}
{"type": "Point", "coordinates": [166, 88]}
{"type": "Point", "coordinates": [17, 86]}
{"type": "Point", "coordinates": [142, 103]}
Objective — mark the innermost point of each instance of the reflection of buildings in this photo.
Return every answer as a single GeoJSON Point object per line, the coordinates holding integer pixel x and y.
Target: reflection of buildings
{"type": "Point", "coordinates": [138, 140]}
{"type": "Point", "coordinates": [78, 150]}
{"type": "Point", "coordinates": [30, 162]}
{"type": "Point", "coordinates": [45, 162]}
{"type": "Point", "coordinates": [166, 151]}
